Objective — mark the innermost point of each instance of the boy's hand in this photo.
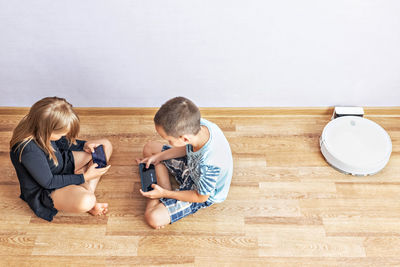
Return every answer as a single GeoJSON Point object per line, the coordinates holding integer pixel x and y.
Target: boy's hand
{"type": "Point", "coordinates": [154, 159]}
{"type": "Point", "coordinates": [90, 146]}
{"type": "Point", "coordinates": [157, 192]}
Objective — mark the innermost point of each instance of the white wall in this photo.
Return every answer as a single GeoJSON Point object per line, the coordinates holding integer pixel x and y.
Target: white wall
{"type": "Point", "coordinates": [216, 52]}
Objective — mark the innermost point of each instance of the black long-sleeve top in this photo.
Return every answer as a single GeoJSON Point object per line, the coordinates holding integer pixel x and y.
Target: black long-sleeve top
{"type": "Point", "coordinates": [38, 175]}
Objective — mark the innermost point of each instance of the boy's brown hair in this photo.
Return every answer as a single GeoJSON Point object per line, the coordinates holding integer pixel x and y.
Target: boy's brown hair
{"type": "Point", "coordinates": [178, 116]}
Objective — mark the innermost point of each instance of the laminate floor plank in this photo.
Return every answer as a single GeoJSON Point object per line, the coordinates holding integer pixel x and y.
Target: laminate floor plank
{"type": "Point", "coordinates": [286, 205]}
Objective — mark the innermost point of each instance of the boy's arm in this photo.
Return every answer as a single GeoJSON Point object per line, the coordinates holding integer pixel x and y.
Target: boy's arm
{"type": "Point", "coordinates": [185, 195]}
{"type": "Point", "coordinates": [172, 153]}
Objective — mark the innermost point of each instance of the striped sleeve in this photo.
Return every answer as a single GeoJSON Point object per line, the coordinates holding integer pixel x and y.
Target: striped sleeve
{"type": "Point", "coordinates": [208, 179]}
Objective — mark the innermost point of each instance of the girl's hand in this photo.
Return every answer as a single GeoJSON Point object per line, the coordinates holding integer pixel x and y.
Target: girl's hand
{"type": "Point", "coordinates": [157, 192]}
{"type": "Point", "coordinates": [90, 146]}
{"type": "Point", "coordinates": [93, 173]}
{"type": "Point", "coordinates": [154, 159]}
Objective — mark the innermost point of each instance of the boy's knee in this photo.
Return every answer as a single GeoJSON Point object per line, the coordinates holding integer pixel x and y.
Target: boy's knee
{"type": "Point", "coordinates": [87, 202]}
{"type": "Point", "coordinates": [150, 148]}
{"type": "Point", "coordinates": [153, 219]}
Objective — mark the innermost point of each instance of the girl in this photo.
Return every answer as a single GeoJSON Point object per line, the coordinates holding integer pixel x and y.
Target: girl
{"type": "Point", "coordinates": [54, 169]}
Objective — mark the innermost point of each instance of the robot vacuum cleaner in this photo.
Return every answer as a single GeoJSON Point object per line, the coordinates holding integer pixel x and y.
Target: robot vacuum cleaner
{"type": "Point", "coordinates": [355, 145]}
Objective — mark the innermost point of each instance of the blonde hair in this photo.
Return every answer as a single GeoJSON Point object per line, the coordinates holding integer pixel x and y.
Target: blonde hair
{"type": "Point", "coordinates": [48, 115]}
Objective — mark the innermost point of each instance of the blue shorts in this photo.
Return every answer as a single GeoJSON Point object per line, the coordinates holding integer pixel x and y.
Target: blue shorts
{"type": "Point", "coordinates": [178, 209]}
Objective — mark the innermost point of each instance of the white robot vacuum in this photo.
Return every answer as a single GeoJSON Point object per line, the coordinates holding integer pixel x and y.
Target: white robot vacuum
{"type": "Point", "coordinates": [355, 145]}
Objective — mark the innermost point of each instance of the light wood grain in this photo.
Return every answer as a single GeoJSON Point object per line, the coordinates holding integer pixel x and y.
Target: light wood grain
{"type": "Point", "coordinates": [286, 206]}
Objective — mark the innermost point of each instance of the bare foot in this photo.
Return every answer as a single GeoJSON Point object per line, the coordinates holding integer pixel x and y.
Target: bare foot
{"type": "Point", "coordinates": [99, 209]}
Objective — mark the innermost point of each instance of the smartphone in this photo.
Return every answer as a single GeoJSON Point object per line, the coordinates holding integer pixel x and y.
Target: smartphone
{"type": "Point", "coordinates": [147, 176]}
{"type": "Point", "coordinates": [99, 157]}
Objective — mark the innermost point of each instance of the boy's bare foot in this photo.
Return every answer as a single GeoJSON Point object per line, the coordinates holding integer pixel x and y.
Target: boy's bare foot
{"type": "Point", "coordinates": [99, 209]}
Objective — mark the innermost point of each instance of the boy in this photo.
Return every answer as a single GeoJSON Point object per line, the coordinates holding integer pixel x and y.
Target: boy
{"type": "Point", "coordinates": [199, 157]}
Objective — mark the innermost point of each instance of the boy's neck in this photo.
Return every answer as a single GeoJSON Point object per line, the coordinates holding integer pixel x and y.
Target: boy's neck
{"type": "Point", "coordinates": [201, 138]}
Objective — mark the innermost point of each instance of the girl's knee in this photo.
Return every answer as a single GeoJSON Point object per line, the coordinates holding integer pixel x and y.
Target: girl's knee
{"type": "Point", "coordinates": [87, 202]}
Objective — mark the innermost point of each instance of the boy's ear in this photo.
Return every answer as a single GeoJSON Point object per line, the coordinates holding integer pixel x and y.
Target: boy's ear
{"type": "Point", "coordinates": [184, 138]}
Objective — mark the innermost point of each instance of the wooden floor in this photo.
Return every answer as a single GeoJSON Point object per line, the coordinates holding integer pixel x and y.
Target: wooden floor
{"type": "Point", "coordinates": [286, 206]}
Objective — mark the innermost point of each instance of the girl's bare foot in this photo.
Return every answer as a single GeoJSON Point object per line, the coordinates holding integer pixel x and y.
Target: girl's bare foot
{"type": "Point", "coordinates": [99, 209]}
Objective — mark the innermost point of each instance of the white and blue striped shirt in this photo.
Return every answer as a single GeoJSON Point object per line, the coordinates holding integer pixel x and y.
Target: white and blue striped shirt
{"type": "Point", "coordinates": [211, 167]}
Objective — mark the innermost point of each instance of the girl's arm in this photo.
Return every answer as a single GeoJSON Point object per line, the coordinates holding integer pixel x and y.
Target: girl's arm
{"type": "Point", "coordinates": [36, 164]}
{"type": "Point", "coordinates": [63, 144]}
